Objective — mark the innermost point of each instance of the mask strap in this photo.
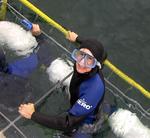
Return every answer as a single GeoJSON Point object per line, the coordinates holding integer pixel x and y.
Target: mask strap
{"type": "Point", "coordinates": [99, 64]}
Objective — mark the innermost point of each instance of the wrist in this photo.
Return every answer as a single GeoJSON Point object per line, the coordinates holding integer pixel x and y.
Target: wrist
{"type": "Point", "coordinates": [32, 115]}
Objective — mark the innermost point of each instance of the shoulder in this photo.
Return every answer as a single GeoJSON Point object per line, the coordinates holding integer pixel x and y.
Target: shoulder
{"type": "Point", "coordinates": [93, 81]}
{"type": "Point", "coordinates": [94, 84]}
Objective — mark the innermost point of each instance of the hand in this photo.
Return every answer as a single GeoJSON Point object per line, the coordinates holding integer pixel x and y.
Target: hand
{"type": "Point", "coordinates": [26, 110]}
{"type": "Point", "coordinates": [36, 29]}
{"type": "Point", "coordinates": [71, 36]}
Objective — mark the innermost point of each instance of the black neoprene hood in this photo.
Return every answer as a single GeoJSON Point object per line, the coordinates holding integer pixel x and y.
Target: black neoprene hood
{"type": "Point", "coordinates": [96, 49]}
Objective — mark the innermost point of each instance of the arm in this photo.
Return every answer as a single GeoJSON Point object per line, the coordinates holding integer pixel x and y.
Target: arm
{"type": "Point", "coordinates": [69, 120]}
{"type": "Point", "coordinates": [64, 122]}
{"type": "Point", "coordinates": [36, 31]}
{"type": "Point", "coordinates": [43, 52]}
{"type": "Point", "coordinates": [25, 66]}
{"type": "Point", "coordinates": [73, 37]}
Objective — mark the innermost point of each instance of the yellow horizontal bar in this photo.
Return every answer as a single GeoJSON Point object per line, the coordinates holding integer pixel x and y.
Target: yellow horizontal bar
{"type": "Point", "coordinates": [127, 78]}
{"type": "Point", "coordinates": [107, 63]}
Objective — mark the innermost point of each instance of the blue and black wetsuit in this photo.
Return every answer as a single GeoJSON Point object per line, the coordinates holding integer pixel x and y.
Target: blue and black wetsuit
{"type": "Point", "coordinates": [87, 93]}
{"type": "Point", "coordinates": [86, 96]}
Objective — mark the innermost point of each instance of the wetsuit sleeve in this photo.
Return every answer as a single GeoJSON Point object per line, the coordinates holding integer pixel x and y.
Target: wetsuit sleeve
{"type": "Point", "coordinates": [44, 52]}
{"type": "Point", "coordinates": [90, 95]}
{"type": "Point", "coordinates": [40, 38]}
{"type": "Point", "coordinates": [74, 117]}
{"type": "Point", "coordinates": [65, 122]}
{"type": "Point", "coordinates": [79, 40]}
{"type": "Point", "coordinates": [23, 67]}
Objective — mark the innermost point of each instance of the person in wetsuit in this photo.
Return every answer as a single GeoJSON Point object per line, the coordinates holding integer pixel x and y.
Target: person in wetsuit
{"type": "Point", "coordinates": [14, 75]}
{"type": "Point", "coordinates": [87, 90]}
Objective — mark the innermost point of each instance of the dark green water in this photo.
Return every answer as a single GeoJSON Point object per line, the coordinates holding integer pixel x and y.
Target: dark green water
{"type": "Point", "coordinates": [122, 26]}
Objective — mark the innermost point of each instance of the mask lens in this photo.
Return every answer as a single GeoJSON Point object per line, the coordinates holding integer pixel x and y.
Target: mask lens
{"type": "Point", "coordinates": [77, 55]}
{"type": "Point", "coordinates": [89, 61]}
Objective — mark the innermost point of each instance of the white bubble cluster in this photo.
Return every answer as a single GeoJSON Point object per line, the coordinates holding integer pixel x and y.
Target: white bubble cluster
{"type": "Point", "coordinates": [58, 70]}
{"type": "Point", "coordinates": [126, 124]}
{"type": "Point", "coordinates": [16, 38]}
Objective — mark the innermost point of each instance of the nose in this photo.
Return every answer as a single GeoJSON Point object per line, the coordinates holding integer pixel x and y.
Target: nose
{"type": "Point", "coordinates": [82, 62]}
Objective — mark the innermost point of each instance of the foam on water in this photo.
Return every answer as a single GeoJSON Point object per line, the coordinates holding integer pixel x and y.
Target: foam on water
{"type": "Point", "coordinates": [126, 124]}
{"type": "Point", "coordinates": [58, 70]}
{"type": "Point", "coordinates": [16, 38]}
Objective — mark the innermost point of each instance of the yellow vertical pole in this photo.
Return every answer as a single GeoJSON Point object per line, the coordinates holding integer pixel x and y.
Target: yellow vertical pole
{"type": "Point", "coordinates": [3, 10]}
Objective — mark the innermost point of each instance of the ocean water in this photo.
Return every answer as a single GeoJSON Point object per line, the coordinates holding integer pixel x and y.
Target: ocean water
{"type": "Point", "coordinates": [123, 28]}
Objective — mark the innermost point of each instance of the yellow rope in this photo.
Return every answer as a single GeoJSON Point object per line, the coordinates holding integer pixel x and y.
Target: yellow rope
{"type": "Point", "coordinates": [3, 10]}
{"type": "Point", "coordinates": [107, 63]}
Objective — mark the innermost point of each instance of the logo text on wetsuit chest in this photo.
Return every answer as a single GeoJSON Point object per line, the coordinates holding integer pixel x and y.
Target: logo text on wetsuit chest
{"type": "Point", "coordinates": [83, 103]}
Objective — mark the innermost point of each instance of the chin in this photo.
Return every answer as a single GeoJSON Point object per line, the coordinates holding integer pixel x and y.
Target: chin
{"type": "Point", "coordinates": [126, 124]}
{"type": "Point", "coordinates": [81, 69]}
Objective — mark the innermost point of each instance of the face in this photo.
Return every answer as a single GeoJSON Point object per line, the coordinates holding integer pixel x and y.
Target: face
{"type": "Point", "coordinates": [80, 67]}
